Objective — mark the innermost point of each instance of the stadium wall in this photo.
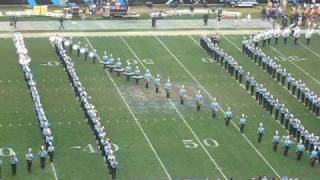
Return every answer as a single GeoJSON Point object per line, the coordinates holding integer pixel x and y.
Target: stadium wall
{"type": "Point", "coordinates": [185, 1]}
{"type": "Point", "coordinates": [13, 2]}
{"type": "Point", "coordinates": [22, 2]}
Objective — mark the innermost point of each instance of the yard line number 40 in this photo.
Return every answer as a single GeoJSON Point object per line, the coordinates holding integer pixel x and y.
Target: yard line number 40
{"type": "Point", "coordinates": [145, 61]}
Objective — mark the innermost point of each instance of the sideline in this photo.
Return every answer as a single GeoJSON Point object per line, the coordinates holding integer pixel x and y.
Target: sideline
{"type": "Point", "coordinates": [133, 33]}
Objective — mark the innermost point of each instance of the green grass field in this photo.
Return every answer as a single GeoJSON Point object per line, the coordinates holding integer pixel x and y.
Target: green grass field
{"type": "Point", "coordinates": [154, 137]}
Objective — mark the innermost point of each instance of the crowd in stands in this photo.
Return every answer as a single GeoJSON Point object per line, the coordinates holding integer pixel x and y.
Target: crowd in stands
{"type": "Point", "coordinates": [300, 13]}
{"type": "Point", "coordinates": [269, 103]}
{"type": "Point", "coordinates": [89, 109]}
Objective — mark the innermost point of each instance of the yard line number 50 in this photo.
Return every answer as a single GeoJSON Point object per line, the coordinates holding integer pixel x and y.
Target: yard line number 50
{"type": "Point", "coordinates": [191, 144]}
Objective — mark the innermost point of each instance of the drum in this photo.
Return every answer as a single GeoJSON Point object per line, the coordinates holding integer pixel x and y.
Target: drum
{"type": "Point", "coordinates": [91, 54]}
{"type": "Point", "coordinates": [82, 50]}
{"type": "Point", "coordinates": [67, 42]}
{"type": "Point", "coordinates": [75, 47]}
{"type": "Point", "coordinates": [52, 38]}
{"type": "Point", "coordinates": [137, 77]}
{"type": "Point", "coordinates": [25, 60]}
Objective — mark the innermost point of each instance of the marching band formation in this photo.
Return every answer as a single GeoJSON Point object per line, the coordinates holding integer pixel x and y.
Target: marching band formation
{"type": "Point", "coordinates": [88, 108]}
{"type": "Point", "coordinates": [297, 87]}
{"type": "Point", "coordinates": [49, 148]}
{"type": "Point", "coordinates": [293, 31]}
{"type": "Point", "coordinates": [306, 140]}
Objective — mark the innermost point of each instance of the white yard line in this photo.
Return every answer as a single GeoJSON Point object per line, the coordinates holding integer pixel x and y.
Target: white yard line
{"type": "Point", "coordinates": [134, 117]}
{"type": "Point", "coordinates": [199, 84]}
{"type": "Point", "coordinates": [180, 115]}
{"type": "Point", "coordinates": [54, 171]}
{"type": "Point", "coordinates": [306, 47]}
{"type": "Point", "coordinates": [300, 68]}
{"type": "Point", "coordinates": [230, 41]}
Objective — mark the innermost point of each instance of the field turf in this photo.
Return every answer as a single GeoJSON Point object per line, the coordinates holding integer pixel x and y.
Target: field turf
{"type": "Point", "coordinates": [154, 137]}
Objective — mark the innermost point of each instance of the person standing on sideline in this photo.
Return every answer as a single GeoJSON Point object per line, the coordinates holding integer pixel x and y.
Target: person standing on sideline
{"type": "Point", "coordinates": [242, 122]}
{"type": "Point", "coordinates": [153, 22]}
{"type": "Point", "coordinates": [51, 151]}
{"type": "Point", "coordinates": [228, 116]}
{"type": "Point", "coordinates": [14, 19]}
{"type": "Point", "coordinates": [260, 132]}
{"type": "Point", "coordinates": [61, 23]}
{"type": "Point", "coordinates": [43, 155]}
{"type": "Point", "coordinates": [14, 162]}
{"type": "Point", "coordinates": [205, 19]}
{"type": "Point", "coordinates": [214, 106]}
{"type": "Point", "coordinates": [219, 14]}
{"type": "Point", "coordinates": [29, 158]}
{"type": "Point", "coordinates": [275, 141]}
{"type": "Point", "coordinates": [11, 21]}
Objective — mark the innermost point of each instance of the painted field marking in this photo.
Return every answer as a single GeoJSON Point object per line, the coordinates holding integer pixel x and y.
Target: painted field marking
{"type": "Point", "coordinates": [181, 116]}
{"type": "Point", "coordinates": [300, 68]}
{"type": "Point", "coordinates": [314, 53]}
{"type": "Point", "coordinates": [54, 171]}
{"type": "Point", "coordinates": [199, 84]}
{"type": "Point", "coordinates": [134, 116]}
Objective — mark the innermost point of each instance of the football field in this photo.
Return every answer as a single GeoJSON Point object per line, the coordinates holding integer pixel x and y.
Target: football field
{"type": "Point", "coordinates": [153, 137]}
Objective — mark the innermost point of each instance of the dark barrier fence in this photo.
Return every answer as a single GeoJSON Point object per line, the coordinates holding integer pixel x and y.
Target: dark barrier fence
{"type": "Point", "coordinates": [186, 1]}
{"type": "Point", "coordinates": [21, 2]}
{"type": "Point", "coordinates": [13, 2]}
{"type": "Point", "coordinates": [25, 2]}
